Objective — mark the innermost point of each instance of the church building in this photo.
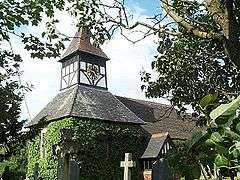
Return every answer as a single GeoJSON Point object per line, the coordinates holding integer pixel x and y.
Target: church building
{"type": "Point", "coordinates": [84, 132]}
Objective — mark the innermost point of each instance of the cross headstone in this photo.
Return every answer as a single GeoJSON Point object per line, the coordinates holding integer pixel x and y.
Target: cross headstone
{"type": "Point", "coordinates": [127, 164]}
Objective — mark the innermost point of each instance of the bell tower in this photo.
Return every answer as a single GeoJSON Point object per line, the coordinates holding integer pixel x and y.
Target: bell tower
{"type": "Point", "coordinates": [83, 63]}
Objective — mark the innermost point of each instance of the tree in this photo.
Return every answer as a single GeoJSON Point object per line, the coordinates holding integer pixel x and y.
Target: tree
{"type": "Point", "coordinates": [15, 166]}
{"type": "Point", "coordinates": [225, 15]}
{"type": "Point", "coordinates": [14, 16]}
{"type": "Point", "coordinates": [185, 82]}
{"type": "Point", "coordinates": [215, 150]}
{"type": "Point", "coordinates": [195, 60]}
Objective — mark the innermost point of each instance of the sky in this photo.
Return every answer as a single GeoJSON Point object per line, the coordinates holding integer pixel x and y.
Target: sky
{"type": "Point", "coordinates": [123, 69]}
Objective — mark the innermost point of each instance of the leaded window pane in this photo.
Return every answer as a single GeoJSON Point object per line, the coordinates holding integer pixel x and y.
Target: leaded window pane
{"type": "Point", "coordinates": [67, 70]}
{"type": "Point", "coordinates": [75, 65]}
{"type": "Point", "coordinates": [102, 70]}
{"type": "Point", "coordinates": [83, 65]}
{"type": "Point", "coordinates": [83, 78]}
{"type": "Point", "coordinates": [71, 68]}
{"type": "Point", "coordinates": [102, 83]}
{"type": "Point", "coordinates": [63, 72]}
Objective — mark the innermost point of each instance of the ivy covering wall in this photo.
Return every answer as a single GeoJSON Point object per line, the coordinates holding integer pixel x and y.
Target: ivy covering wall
{"type": "Point", "coordinates": [102, 146]}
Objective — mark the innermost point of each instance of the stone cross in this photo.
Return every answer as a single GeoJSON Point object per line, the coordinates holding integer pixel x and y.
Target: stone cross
{"type": "Point", "coordinates": [127, 164]}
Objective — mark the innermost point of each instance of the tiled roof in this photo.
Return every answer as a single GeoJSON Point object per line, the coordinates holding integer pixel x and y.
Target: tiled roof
{"type": "Point", "coordinates": [155, 145]}
{"type": "Point", "coordinates": [92, 103]}
{"type": "Point", "coordinates": [86, 102]}
{"type": "Point", "coordinates": [81, 42]}
{"type": "Point", "coordinates": [160, 118]}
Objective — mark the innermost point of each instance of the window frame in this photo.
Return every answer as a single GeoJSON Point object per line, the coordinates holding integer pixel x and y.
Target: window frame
{"type": "Point", "coordinates": [43, 141]}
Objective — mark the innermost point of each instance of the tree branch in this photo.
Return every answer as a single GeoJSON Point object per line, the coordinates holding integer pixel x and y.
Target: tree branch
{"type": "Point", "coordinates": [213, 6]}
{"type": "Point", "coordinates": [191, 29]}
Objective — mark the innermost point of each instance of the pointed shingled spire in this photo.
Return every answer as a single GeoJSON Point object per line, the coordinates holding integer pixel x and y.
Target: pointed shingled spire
{"type": "Point", "coordinates": [81, 42]}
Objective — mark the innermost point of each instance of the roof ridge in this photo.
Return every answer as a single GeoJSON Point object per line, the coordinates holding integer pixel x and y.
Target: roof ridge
{"type": "Point", "coordinates": [144, 100]}
{"type": "Point", "coordinates": [74, 99]}
{"type": "Point", "coordinates": [128, 108]}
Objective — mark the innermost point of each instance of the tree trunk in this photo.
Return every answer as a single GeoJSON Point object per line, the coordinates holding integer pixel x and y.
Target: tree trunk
{"type": "Point", "coordinates": [231, 174]}
{"type": "Point", "coordinates": [232, 49]}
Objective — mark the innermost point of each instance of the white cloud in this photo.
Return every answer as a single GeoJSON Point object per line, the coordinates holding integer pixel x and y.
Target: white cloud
{"type": "Point", "coordinates": [127, 60]}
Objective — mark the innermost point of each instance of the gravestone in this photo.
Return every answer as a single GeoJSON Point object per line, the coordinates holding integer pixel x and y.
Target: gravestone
{"type": "Point", "coordinates": [127, 164]}
{"type": "Point", "coordinates": [65, 151]}
{"type": "Point", "coordinates": [161, 170]}
{"type": "Point", "coordinates": [74, 170]}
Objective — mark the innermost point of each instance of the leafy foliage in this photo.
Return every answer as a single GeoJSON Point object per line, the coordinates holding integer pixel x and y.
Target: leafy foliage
{"type": "Point", "coordinates": [15, 16]}
{"type": "Point", "coordinates": [11, 94]}
{"type": "Point", "coordinates": [98, 161]}
{"type": "Point", "coordinates": [184, 164]}
{"type": "Point", "coordinates": [215, 149]}
{"type": "Point", "coordinates": [17, 166]}
{"type": "Point", "coordinates": [188, 68]}
{"type": "Point", "coordinates": [189, 65]}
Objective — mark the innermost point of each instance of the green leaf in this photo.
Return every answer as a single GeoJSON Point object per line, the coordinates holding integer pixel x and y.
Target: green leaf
{"type": "Point", "coordinates": [238, 127]}
{"type": "Point", "coordinates": [208, 99]}
{"type": "Point", "coordinates": [221, 161]}
{"type": "Point", "coordinates": [235, 150]}
{"type": "Point", "coordinates": [196, 172]}
{"type": "Point", "coordinates": [196, 139]}
{"type": "Point", "coordinates": [216, 137]}
{"type": "Point", "coordinates": [221, 121]}
{"type": "Point", "coordinates": [210, 143]}
{"type": "Point", "coordinates": [231, 134]}
{"type": "Point", "coordinates": [235, 153]}
{"type": "Point", "coordinates": [226, 110]}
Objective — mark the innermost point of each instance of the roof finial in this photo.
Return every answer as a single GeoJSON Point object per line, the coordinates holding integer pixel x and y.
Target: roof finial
{"type": "Point", "coordinates": [84, 34]}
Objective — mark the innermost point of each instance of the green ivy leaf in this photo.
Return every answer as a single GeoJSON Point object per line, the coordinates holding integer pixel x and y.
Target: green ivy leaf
{"type": "Point", "coordinates": [235, 150]}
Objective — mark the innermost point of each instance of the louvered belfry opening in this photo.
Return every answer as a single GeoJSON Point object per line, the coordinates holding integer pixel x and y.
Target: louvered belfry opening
{"type": "Point", "coordinates": [83, 63]}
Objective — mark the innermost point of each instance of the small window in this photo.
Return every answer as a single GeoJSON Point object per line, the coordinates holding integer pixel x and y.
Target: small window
{"type": "Point", "coordinates": [43, 143]}
{"type": "Point", "coordinates": [67, 70]}
{"type": "Point", "coordinates": [83, 65]}
{"type": "Point", "coordinates": [168, 146]}
{"type": "Point", "coordinates": [165, 148]}
{"type": "Point", "coordinates": [63, 72]}
{"type": "Point", "coordinates": [147, 165]}
{"type": "Point", "coordinates": [102, 70]}
{"type": "Point", "coordinates": [75, 65]}
{"type": "Point", "coordinates": [71, 68]}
